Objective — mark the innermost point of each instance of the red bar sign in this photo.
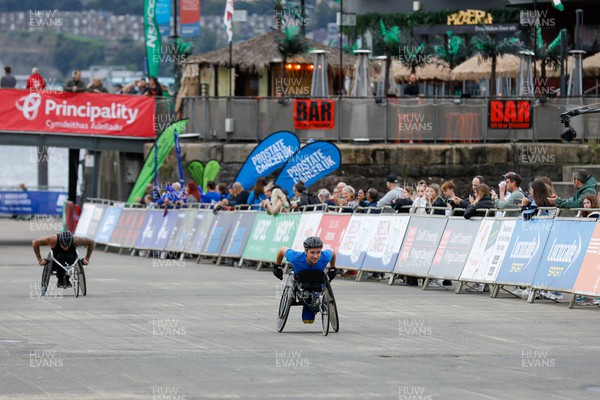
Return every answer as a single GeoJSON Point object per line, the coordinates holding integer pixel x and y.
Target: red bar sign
{"type": "Point", "coordinates": [510, 114]}
{"type": "Point", "coordinates": [314, 114]}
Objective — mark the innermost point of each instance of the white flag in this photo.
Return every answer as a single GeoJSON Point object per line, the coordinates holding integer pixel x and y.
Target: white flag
{"type": "Point", "coordinates": [228, 19]}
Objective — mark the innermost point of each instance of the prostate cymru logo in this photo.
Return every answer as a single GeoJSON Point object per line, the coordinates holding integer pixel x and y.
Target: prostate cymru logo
{"type": "Point", "coordinates": [29, 105]}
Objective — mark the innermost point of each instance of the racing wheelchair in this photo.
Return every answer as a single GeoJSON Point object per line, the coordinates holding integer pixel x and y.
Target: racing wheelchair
{"type": "Point", "coordinates": [313, 289]}
{"type": "Point", "coordinates": [74, 272]}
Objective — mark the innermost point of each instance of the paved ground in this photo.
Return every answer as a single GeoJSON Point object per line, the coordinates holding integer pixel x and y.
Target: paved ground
{"type": "Point", "coordinates": [152, 329]}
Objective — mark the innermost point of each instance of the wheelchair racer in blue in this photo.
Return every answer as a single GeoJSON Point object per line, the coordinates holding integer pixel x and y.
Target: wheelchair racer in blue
{"type": "Point", "coordinates": [313, 258]}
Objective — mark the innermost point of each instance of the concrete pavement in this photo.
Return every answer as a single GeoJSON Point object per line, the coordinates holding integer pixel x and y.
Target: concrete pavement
{"type": "Point", "coordinates": [168, 329]}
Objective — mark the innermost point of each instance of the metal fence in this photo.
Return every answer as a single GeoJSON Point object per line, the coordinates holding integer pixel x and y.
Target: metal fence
{"type": "Point", "coordinates": [395, 120]}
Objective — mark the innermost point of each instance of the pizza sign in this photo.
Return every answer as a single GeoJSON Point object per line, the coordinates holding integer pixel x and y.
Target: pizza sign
{"type": "Point", "coordinates": [510, 114]}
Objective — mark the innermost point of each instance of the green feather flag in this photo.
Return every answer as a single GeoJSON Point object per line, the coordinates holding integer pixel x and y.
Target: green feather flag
{"type": "Point", "coordinates": [196, 170]}
{"type": "Point", "coordinates": [211, 171]}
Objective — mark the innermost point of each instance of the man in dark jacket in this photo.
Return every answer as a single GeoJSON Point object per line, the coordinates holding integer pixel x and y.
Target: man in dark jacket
{"type": "Point", "coordinates": [584, 184]}
{"type": "Point", "coordinates": [75, 84]}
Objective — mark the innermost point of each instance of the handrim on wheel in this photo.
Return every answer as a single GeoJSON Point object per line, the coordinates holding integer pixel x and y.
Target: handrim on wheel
{"type": "Point", "coordinates": [325, 312]}
{"type": "Point", "coordinates": [46, 274]}
{"type": "Point", "coordinates": [333, 313]}
{"type": "Point", "coordinates": [80, 272]}
{"type": "Point", "coordinates": [284, 307]}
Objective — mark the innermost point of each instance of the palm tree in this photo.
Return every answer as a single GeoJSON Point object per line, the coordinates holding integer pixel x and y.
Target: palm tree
{"type": "Point", "coordinates": [547, 54]}
{"type": "Point", "coordinates": [391, 44]}
{"type": "Point", "coordinates": [290, 44]}
{"type": "Point", "coordinates": [452, 49]}
{"type": "Point", "coordinates": [489, 48]}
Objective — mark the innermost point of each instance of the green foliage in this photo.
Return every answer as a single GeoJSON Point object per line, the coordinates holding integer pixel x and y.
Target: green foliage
{"type": "Point", "coordinates": [489, 47]}
{"type": "Point", "coordinates": [77, 52]}
{"type": "Point", "coordinates": [452, 49]}
{"type": "Point", "coordinates": [291, 43]}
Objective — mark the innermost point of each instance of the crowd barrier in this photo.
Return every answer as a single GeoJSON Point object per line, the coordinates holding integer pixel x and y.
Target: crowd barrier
{"type": "Point", "coordinates": [544, 253]}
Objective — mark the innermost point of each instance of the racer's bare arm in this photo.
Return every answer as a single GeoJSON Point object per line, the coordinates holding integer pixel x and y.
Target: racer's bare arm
{"type": "Point", "coordinates": [82, 241]}
{"type": "Point", "coordinates": [43, 241]}
{"type": "Point", "coordinates": [332, 262]}
{"type": "Point", "coordinates": [281, 255]}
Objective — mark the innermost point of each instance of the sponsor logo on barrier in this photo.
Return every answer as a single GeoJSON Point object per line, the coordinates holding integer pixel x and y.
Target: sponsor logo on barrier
{"type": "Point", "coordinates": [413, 393]}
{"type": "Point", "coordinates": [290, 359]}
{"type": "Point", "coordinates": [536, 359]}
{"type": "Point", "coordinates": [413, 327]}
{"type": "Point", "coordinates": [167, 327]}
{"type": "Point", "coordinates": [167, 393]}
{"type": "Point", "coordinates": [44, 359]}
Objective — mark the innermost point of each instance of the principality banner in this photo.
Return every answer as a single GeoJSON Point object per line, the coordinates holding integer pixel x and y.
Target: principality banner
{"type": "Point", "coordinates": [77, 113]}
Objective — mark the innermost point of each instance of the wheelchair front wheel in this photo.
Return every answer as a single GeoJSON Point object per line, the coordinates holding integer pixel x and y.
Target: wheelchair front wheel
{"type": "Point", "coordinates": [46, 274]}
{"type": "Point", "coordinates": [284, 307]}
{"type": "Point", "coordinates": [333, 313]}
{"type": "Point", "coordinates": [325, 312]}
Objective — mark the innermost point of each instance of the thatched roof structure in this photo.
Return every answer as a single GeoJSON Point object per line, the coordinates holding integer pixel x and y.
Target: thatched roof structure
{"type": "Point", "coordinates": [591, 66]}
{"type": "Point", "coordinates": [256, 54]}
{"type": "Point", "coordinates": [434, 70]}
{"type": "Point", "coordinates": [476, 68]}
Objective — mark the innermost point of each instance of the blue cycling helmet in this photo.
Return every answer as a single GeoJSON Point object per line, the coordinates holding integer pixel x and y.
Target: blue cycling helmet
{"type": "Point", "coordinates": [65, 239]}
{"type": "Point", "coordinates": [313, 242]}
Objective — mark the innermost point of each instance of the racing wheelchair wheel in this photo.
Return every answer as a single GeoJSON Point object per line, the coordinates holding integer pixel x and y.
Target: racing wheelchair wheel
{"type": "Point", "coordinates": [333, 313]}
{"type": "Point", "coordinates": [325, 312]}
{"type": "Point", "coordinates": [46, 274]}
{"type": "Point", "coordinates": [286, 303]}
{"type": "Point", "coordinates": [79, 280]}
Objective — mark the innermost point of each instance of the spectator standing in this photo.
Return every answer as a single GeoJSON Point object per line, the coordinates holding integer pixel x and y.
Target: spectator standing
{"type": "Point", "coordinates": [192, 193]}
{"type": "Point", "coordinates": [154, 88]}
{"type": "Point", "coordinates": [483, 199]}
{"type": "Point", "coordinates": [583, 184]}
{"type": "Point", "coordinates": [75, 84]}
{"type": "Point", "coordinates": [211, 196]}
{"type": "Point", "coordinates": [8, 81]}
{"type": "Point", "coordinates": [36, 81]}
{"type": "Point", "coordinates": [412, 87]}
{"type": "Point", "coordinates": [394, 192]}
{"type": "Point", "coordinates": [97, 86]}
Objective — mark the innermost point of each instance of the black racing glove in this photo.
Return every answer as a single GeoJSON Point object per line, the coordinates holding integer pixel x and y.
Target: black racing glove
{"type": "Point", "coordinates": [278, 272]}
{"type": "Point", "coordinates": [331, 273]}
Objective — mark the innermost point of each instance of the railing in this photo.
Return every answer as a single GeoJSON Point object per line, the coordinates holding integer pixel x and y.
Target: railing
{"type": "Point", "coordinates": [393, 120]}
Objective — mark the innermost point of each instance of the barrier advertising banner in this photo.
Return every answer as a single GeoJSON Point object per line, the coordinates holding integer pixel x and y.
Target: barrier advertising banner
{"type": "Point", "coordinates": [269, 234]}
{"type": "Point", "coordinates": [420, 244]}
{"type": "Point", "coordinates": [495, 251]}
{"type": "Point", "coordinates": [332, 228]}
{"type": "Point", "coordinates": [454, 248]}
{"type": "Point", "coordinates": [178, 227]}
{"type": "Point", "coordinates": [313, 162]}
{"type": "Point", "coordinates": [108, 224]}
{"type": "Point", "coordinates": [182, 232]}
{"type": "Point", "coordinates": [156, 230]}
{"type": "Point", "coordinates": [218, 233]}
{"type": "Point", "coordinates": [130, 228]}
{"type": "Point", "coordinates": [239, 234]}
{"type": "Point", "coordinates": [77, 113]}
{"type": "Point", "coordinates": [84, 219]}
{"type": "Point", "coordinates": [308, 226]}
{"type": "Point", "coordinates": [268, 156]}
{"type": "Point", "coordinates": [94, 225]}
{"type": "Point", "coordinates": [199, 232]}
{"type": "Point", "coordinates": [563, 254]}
{"type": "Point", "coordinates": [588, 280]}
{"type": "Point", "coordinates": [524, 252]}
{"type": "Point", "coordinates": [28, 202]}
{"type": "Point", "coordinates": [482, 244]}
{"type": "Point", "coordinates": [189, 17]}
{"type": "Point", "coordinates": [356, 239]}
{"type": "Point", "coordinates": [385, 243]}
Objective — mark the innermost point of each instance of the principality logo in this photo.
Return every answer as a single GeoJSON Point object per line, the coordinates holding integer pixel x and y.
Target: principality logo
{"type": "Point", "coordinates": [29, 105]}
